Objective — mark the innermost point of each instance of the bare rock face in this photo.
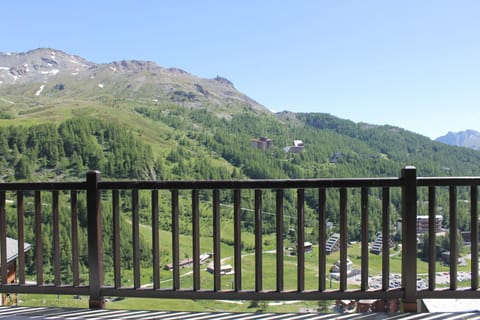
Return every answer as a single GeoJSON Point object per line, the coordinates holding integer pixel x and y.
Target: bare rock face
{"type": "Point", "coordinates": [18, 71]}
{"type": "Point", "coordinates": [224, 81]}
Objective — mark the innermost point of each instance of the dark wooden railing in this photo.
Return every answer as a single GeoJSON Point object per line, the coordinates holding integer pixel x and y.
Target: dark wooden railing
{"type": "Point", "coordinates": [94, 189]}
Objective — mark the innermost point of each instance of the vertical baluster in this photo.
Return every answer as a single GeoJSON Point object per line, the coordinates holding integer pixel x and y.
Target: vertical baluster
{"type": "Point", "coordinates": [409, 238]}
{"type": "Point", "coordinates": [21, 238]}
{"type": "Point", "coordinates": [300, 240]}
{"type": "Point", "coordinates": [343, 239]}
{"type": "Point", "coordinates": [365, 238]}
{"type": "Point", "coordinates": [175, 240]}
{"type": "Point", "coordinates": [156, 241]}
{"type": "Point", "coordinates": [237, 238]}
{"type": "Point", "coordinates": [279, 240]}
{"type": "Point", "coordinates": [38, 238]}
{"type": "Point", "coordinates": [322, 241]}
{"type": "Point", "coordinates": [3, 238]}
{"type": "Point", "coordinates": [116, 238]}
{"type": "Point", "coordinates": [258, 242]}
{"type": "Point", "coordinates": [385, 239]}
{"type": "Point", "coordinates": [432, 238]}
{"type": "Point", "coordinates": [75, 245]}
{"type": "Point", "coordinates": [196, 239]}
{"type": "Point", "coordinates": [95, 244]}
{"type": "Point", "coordinates": [216, 241]}
{"type": "Point", "coordinates": [74, 237]}
{"type": "Point", "coordinates": [453, 238]}
{"type": "Point", "coordinates": [136, 239]}
{"type": "Point", "coordinates": [474, 235]}
{"type": "Point", "coordinates": [56, 238]}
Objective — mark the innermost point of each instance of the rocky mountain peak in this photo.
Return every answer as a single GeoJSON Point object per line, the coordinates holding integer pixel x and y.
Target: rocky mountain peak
{"type": "Point", "coordinates": [38, 65]}
{"type": "Point", "coordinates": [468, 138]}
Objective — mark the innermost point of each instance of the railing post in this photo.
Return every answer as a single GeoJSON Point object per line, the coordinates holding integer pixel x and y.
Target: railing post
{"type": "Point", "coordinates": [409, 238]}
{"type": "Point", "coordinates": [95, 250]}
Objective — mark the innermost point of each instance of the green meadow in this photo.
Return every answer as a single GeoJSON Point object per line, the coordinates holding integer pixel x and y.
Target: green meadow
{"type": "Point", "coordinates": [248, 276]}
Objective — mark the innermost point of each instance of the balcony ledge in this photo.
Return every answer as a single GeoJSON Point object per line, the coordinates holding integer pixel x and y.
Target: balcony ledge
{"type": "Point", "coordinates": [24, 313]}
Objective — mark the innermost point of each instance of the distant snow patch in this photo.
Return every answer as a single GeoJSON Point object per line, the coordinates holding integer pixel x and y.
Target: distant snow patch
{"type": "Point", "coordinates": [74, 73]}
{"type": "Point", "coordinates": [13, 76]}
{"type": "Point", "coordinates": [76, 62]}
{"type": "Point", "coordinates": [40, 90]}
{"type": "Point", "coordinates": [4, 68]}
{"type": "Point", "coordinates": [52, 72]}
{"type": "Point", "coordinates": [113, 69]}
{"type": "Point", "coordinates": [100, 85]}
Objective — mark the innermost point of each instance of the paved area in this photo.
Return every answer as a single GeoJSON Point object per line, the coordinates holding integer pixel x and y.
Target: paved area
{"type": "Point", "coordinates": [25, 313]}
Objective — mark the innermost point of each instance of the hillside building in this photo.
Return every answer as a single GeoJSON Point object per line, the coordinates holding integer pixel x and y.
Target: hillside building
{"type": "Point", "coordinates": [422, 223]}
{"type": "Point", "coordinates": [182, 264]}
{"type": "Point", "coordinates": [12, 255]}
{"type": "Point", "coordinates": [224, 269]}
{"type": "Point", "coordinates": [335, 269]}
{"type": "Point", "coordinates": [333, 243]}
{"type": "Point", "coordinates": [307, 248]}
{"type": "Point", "coordinates": [296, 148]}
{"type": "Point", "coordinates": [262, 143]}
{"type": "Point", "coordinates": [377, 246]}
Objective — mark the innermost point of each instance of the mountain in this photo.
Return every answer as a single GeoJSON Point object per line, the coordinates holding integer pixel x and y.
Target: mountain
{"type": "Point", "coordinates": [56, 74]}
{"type": "Point", "coordinates": [61, 115]}
{"type": "Point", "coordinates": [467, 138]}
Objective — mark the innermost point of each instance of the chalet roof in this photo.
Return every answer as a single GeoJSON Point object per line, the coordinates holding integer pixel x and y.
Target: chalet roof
{"type": "Point", "coordinates": [12, 249]}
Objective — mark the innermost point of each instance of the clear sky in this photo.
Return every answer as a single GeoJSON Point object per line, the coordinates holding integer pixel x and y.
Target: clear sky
{"type": "Point", "coordinates": [409, 63]}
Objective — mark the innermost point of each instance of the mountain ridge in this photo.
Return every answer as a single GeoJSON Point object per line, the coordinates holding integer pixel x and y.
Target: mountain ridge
{"type": "Point", "coordinates": [468, 138]}
{"type": "Point", "coordinates": [51, 70]}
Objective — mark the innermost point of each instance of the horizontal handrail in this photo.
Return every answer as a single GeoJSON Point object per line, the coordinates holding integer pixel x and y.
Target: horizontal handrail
{"type": "Point", "coordinates": [252, 184]}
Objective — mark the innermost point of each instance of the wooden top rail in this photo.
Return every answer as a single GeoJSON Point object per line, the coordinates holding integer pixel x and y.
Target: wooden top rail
{"type": "Point", "coordinates": [42, 186]}
{"type": "Point", "coordinates": [252, 184]}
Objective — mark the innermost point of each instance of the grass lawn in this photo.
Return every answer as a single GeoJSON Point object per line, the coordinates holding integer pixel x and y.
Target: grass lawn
{"type": "Point", "coordinates": [248, 281]}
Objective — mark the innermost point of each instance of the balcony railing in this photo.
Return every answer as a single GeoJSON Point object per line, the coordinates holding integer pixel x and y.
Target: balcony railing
{"type": "Point", "coordinates": [96, 193]}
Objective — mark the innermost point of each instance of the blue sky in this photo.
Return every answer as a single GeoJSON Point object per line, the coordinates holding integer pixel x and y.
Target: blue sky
{"type": "Point", "coordinates": [412, 64]}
